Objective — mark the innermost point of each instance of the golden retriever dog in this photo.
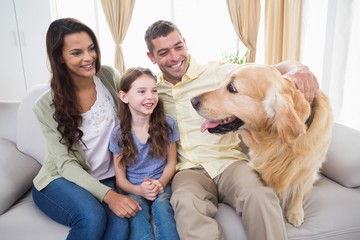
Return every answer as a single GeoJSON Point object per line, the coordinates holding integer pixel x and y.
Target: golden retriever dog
{"type": "Point", "coordinates": [288, 137]}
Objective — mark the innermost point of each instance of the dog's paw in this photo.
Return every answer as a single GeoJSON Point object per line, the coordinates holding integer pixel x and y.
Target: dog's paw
{"type": "Point", "coordinates": [295, 216]}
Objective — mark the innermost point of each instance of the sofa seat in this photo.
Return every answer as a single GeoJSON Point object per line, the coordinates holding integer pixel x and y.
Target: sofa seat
{"type": "Point", "coordinates": [25, 221]}
{"type": "Point", "coordinates": [325, 218]}
{"type": "Point", "coordinates": [332, 209]}
{"type": "Point", "coordinates": [330, 213]}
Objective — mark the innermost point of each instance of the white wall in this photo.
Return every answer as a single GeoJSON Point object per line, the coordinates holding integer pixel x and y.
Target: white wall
{"type": "Point", "coordinates": [23, 26]}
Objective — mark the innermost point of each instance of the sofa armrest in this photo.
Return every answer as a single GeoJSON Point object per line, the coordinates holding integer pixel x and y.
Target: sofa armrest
{"type": "Point", "coordinates": [8, 113]}
{"type": "Point", "coordinates": [17, 171]}
{"type": "Point", "coordinates": [343, 158]}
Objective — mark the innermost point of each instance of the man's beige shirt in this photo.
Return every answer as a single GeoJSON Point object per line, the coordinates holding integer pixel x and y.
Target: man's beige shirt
{"type": "Point", "coordinates": [213, 152]}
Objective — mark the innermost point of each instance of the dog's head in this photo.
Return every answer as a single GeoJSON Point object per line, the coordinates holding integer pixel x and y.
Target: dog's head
{"type": "Point", "coordinates": [258, 96]}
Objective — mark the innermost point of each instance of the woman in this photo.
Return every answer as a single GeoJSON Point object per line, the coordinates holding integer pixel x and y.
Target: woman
{"type": "Point", "coordinates": [75, 185]}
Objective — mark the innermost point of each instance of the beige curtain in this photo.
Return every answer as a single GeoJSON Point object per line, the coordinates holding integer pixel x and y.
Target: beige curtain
{"type": "Point", "coordinates": [282, 30]}
{"type": "Point", "coordinates": [118, 16]}
{"type": "Point", "coordinates": [245, 16]}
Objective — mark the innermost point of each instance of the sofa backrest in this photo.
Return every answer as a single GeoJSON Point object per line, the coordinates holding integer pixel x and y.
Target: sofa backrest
{"type": "Point", "coordinates": [8, 113]}
{"type": "Point", "coordinates": [29, 138]}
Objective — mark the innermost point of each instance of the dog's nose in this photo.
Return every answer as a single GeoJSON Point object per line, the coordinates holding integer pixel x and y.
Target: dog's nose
{"type": "Point", "coordinates": [195, 101]}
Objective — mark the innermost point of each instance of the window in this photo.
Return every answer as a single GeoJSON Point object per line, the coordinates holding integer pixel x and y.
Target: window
{"type": "Point", "coordinates": [205, 25]}
{"type": "Point", "coordinates": [331, 33]}
{"type": "Point", "coordinates": [331, 50]}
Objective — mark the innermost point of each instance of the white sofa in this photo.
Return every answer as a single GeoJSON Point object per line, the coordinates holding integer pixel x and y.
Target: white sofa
{"type": "Point", "coordinates": [332, 210]}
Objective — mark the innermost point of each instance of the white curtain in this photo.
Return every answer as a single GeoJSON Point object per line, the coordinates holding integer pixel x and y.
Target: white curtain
{"type": "Point", "coordinates": [341, 69]}
{"type": "Point", "coordinates": [342, 60]}
{"type": "Point", "coordinates": [339, 50]}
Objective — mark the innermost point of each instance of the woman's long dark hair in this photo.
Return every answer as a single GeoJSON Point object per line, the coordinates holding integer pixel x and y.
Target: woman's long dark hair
{"type": "Point", "coordinates": [67, 109]}
{"type": "Point", "coordinates": [159, 128]}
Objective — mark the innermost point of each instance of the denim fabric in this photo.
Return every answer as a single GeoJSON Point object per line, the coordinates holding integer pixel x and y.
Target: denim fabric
{"type": "Point", "coordinates": [73, 206]}
{"type": "Point", "coordinates": [163, 216]}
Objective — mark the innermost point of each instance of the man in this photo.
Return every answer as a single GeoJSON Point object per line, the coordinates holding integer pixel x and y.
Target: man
{"type": "Point", "coordinates": [211, 167]}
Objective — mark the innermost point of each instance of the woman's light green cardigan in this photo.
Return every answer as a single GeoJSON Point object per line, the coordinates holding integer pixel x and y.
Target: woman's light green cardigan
{"type": "Point", "coordinates": [58, 162]}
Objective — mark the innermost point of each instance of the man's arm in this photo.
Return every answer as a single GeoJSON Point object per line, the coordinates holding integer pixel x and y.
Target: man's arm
{"type": "Point", "coordinates": [304, 79]}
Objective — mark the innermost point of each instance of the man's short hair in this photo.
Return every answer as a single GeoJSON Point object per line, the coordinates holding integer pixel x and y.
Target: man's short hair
{"type": "Point", "coordinates": [160, 28]}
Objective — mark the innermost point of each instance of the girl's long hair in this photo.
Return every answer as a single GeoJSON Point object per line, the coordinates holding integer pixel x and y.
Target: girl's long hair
{"type": "Point", "coordinates": [67, 109]}
{"type": "Point", "coordinates": [159, 129]}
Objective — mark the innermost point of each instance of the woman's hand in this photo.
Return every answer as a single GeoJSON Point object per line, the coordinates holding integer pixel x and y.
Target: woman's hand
{"type": "Point", "coordinates": [121, 205]}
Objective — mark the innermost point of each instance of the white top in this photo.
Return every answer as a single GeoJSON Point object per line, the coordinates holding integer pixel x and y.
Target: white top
{"type": "Point", "coordinates": [97, 126]}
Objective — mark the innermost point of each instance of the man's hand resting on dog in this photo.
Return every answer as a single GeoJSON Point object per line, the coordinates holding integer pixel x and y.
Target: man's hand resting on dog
{"type": "Point", "coordinates": [304, 79]}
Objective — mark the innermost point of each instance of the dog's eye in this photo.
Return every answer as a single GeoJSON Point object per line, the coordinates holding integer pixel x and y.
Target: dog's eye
{"type": "Point", "coordinates": [231, 88]}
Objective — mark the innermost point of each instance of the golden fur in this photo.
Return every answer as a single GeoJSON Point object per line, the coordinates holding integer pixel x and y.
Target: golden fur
{"type": "Point", "coordinates": [282, 149]}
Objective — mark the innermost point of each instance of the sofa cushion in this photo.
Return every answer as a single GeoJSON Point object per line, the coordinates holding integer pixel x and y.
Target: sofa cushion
{"type": "Point", "coordinates": [17, 171]}
{"type": "Point", "coordinates": [230, 223]}
{"type": "Point", "coordinates": [343, 158]}
{"type": "Point", "coordinates": [331, 213]}
{"type": "Point", "coordinates": [25, 221]}
{"type": "Point", "coordinates": [29, 138]}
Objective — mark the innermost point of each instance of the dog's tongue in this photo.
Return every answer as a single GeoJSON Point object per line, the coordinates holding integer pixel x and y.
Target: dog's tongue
{"type": "Point", "coordinates": [208, 124]}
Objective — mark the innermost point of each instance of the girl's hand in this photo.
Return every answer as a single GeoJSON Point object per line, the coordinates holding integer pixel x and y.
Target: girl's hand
{"type": "Point", "coordinates": [159, 184]}
{"type": "Point", "coordinates": [121, 205]}
{"type": "Point", "coordinates": [149, 190]}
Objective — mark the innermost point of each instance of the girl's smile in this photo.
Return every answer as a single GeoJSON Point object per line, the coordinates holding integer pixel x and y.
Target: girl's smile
{"type": "Point", "coordinates": [142, 97]}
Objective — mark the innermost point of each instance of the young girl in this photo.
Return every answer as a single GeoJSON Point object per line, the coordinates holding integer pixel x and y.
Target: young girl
{"type": "Point", "coordinates": [75, 185]}
{"type": "Point", "coordinates": [144, 147]}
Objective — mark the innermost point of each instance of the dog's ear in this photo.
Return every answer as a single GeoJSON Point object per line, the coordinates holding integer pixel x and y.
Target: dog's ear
{"type": "Point", "coordinates": [284, 116]}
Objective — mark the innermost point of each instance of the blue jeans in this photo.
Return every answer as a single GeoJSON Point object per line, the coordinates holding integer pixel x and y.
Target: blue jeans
{"type": "Point", "coordinates": [163, 216]}
{"type": "Point", "coordinates": [73, 206]}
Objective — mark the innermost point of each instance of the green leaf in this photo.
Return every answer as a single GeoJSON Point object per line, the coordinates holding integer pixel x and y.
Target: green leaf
{"type": "Point", "coordinates": [235, 57]}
